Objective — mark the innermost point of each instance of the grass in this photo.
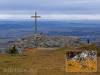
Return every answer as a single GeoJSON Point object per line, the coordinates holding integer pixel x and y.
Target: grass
{"type": "Point", "coordinates": [86, 66]}
{"type": "Point", "coordinates": [33, 62]}
{"type": "Point", "coordinates": [36, 62]}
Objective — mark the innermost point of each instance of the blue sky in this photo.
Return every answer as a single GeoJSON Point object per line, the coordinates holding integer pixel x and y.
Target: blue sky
{"type": "Point", "coordinates": [11, 8]}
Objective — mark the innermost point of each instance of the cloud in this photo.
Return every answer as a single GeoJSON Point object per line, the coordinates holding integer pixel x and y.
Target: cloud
{"type": "Point", "coordinates": [51, 17]}
{"type": "Point", "coordinates": [62, 6]}
{"type": "Point", "coordinates": [72, 17]}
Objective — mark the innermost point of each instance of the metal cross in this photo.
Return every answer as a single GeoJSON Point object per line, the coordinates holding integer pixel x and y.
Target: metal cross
{"type": "Point", "coordinates": [35, 21]}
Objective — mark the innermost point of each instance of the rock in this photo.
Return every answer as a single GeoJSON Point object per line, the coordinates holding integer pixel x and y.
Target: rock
{"type": "Point", "coordinates": [39, 40]}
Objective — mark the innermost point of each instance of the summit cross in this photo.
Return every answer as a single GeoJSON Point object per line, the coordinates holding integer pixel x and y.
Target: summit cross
{"type": "Point", "coordinates": [35, 17]}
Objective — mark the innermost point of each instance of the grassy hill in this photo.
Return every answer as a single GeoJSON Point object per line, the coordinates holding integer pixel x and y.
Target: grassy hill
{"type": "Point", "coordinates": [37, 62]}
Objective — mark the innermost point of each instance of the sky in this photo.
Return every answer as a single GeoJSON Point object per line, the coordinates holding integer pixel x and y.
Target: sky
{"type": "Point", "coordinates": [50, 9]}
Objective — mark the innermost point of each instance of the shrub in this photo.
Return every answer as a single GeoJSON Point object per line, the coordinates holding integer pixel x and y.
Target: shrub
{"type": "Point", "coordinates": [13, 50]}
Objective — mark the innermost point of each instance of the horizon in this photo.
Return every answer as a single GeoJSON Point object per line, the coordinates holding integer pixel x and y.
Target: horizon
{"type": "Point", "coordinates": [50, 16]}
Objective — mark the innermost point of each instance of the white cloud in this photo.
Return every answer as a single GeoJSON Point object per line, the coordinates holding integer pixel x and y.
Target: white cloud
{"type": "Point", "coordinates": [51, 17]}
{"type": "Point", "coordinates": [73, 17]}
{"type": "Point", "coordinates": [16, 17]}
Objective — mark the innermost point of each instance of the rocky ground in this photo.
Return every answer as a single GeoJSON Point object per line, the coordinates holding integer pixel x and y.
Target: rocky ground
{"type": "Point", "coordinates": [45, 41]}
{"type": "Point", "coordinates": [81, 61]}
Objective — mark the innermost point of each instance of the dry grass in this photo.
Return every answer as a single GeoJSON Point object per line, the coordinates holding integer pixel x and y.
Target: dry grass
{"type": "Point", "coordinates": [34, 62]}
{"type": "Point", "coordinates": [87, 73]}
{"type": "Point", "coordinates": [37, 62]}
{"type": "Point", "coordinates": [86, 66]}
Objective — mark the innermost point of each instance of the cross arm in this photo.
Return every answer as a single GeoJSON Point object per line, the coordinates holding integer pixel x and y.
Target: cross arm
{"type": "Point", "coordinates": [35, 16]}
